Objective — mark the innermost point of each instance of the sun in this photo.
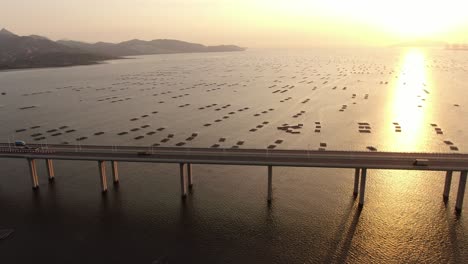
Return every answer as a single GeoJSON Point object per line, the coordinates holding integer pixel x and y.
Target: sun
{"type": "Point", "coordinates": [415, 18]}
{"type": "Point", "coordinates": [402, 18]}
{"type": "Point", "coordinates": [361, 21]}
{"type": "Point", "coordinates": [418, 18]}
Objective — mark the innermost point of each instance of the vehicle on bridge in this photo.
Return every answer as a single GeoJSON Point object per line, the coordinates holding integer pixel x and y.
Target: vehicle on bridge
{"type": "Point", "coordinates": [20, 143]}
{"type": "Point", "coordinates": [421, 162]}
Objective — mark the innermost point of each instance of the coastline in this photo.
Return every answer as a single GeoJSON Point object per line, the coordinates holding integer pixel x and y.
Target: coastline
{"type": "Point", "coordinates": [97, 62]}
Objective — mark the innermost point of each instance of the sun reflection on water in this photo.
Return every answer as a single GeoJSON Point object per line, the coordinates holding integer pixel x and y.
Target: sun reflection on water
{"type": "Point", "coordinates": [408, 109]}
{"type": "Point", "coordinates": [408, 112]}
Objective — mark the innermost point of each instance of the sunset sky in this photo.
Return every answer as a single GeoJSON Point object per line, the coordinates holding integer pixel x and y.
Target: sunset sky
{"type": "Point", "coordinates": [251, 23]}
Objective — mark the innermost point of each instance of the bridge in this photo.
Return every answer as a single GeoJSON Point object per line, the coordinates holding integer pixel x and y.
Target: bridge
{"type": "Point", "coordinates": [358, 160]}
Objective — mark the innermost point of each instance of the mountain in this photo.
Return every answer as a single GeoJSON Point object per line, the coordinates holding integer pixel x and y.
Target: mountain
{"type": "Point", "coordinates": [36, 51]}
{"type": "Point", "coordinates": [38, 37]}
{"type": "Point", "coordinates": [457, 46]}
{"type": "Point", "coordinates": [6, 33]}
{"type": "Point", "coordinates": [106, 48]}
{"type": "Point", "coordinates": [142, 47]}
{"type": "Point", "coordinates": [421, 43]}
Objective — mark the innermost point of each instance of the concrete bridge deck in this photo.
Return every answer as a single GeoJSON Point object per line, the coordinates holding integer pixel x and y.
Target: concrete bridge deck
{"type": "Point", "coordinates": [358, 160]}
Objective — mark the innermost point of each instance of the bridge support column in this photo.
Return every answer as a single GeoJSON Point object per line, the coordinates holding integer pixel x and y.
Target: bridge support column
{"type": "Point", "coordinates": [50, 169]}
{"type": "Point", "coordinates": [363, 186]}
{"type": "Point", "coordinates": [189, 175]}
{"type": "Point", "coordinates": [115, 171]}
{"type": "Point", "coordinates": [270, 184]}
{"type": "Point", "coordinates": [448, 182]}
{"type": "Point", "coordinates": [461, 191]}
{"type": "Point", "coordinates": [33, 172]}
{"type": "Point", "coordinates": [183, 183]}
{"type": "Point", "coordinates": [357, 171]}
{"type": "Point", "coordinates": [103, 176]}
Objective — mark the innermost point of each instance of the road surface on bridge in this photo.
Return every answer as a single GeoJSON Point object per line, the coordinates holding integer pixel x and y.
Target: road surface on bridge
{"type": "Point", "coordinates": [276, 157]}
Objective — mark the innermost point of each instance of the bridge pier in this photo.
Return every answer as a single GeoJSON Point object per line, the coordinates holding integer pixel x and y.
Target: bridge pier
{"type": "Point", "coordinates": [363, 186]}
{"type": "Point", "coordinates": [50, 169]}
{"type": "Point", "coordinates": [189, 175]}
{"type": "Point", "coordinates": [183, 183]}
{"type": "Point", "coordinates": [448, 182]}
{"type": "Point", "coordinates": [357, 172]}
{"type": "Point", "coordinates": [461, 191]}
{"type": "Point", "coordinates": [103, 176]}
{"type": "Point", "coordinates": [33, 172]}
{"type": "Point", "coordinates": [270, 184]}
{"type": "Point", "coordinates": [115, 172]}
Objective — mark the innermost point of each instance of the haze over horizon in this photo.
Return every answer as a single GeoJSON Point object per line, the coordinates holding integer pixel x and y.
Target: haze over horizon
{"type": "Point", "coordinates": [259, 24]}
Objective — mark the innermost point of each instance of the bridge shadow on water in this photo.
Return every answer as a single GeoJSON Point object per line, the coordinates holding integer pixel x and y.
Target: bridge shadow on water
{"type": "Point", "coordinates": [342, 240]}
{"type": "Point", "coordinates": [45, 198]}
{"type": "Point", "coordinates": [111, 206]}
{"type": "Point", "coordinates": [454, 226]}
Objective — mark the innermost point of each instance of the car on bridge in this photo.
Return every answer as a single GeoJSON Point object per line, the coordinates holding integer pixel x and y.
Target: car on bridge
{"type": "Point", "coordinates": [421, 162]}
{"type": "Point", "coordinates": [20, 143]}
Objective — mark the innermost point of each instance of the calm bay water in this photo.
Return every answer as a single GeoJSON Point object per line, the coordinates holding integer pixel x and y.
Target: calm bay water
{"type": "Point", "coordinates": [387, 99]}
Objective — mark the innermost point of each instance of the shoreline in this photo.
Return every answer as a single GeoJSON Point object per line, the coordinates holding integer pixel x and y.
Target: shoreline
{"type": "Point", "coordinates": [62, 66]}
{"type": "Point", "coordinates": [105, 61]}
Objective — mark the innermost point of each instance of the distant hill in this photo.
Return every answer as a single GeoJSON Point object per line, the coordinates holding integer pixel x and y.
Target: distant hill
{"type": "Point", "coordinates": [457, 47]}
{"type": "Point", "coordinates": [142, 47]}
{"type": "Point", "coordinates": [421, 43]}
{"type": "Point", "coordinates": [5, 33]}
{"type": "Point", "coordinates": [109, 49]}
{"type": "Point", "coordinates": [37, 51]}
{"type": "Point", "coordinates": [18, 52]}
{"type": "Point", "coordinates": [38, 37]}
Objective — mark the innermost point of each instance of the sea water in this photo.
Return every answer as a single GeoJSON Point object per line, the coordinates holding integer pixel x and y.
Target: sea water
{"type": "Point", "coordinates": [404, 100]}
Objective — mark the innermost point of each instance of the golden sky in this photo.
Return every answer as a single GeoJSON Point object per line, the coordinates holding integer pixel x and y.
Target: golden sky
{"type": "Point", "coordinates": [251, 23]}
